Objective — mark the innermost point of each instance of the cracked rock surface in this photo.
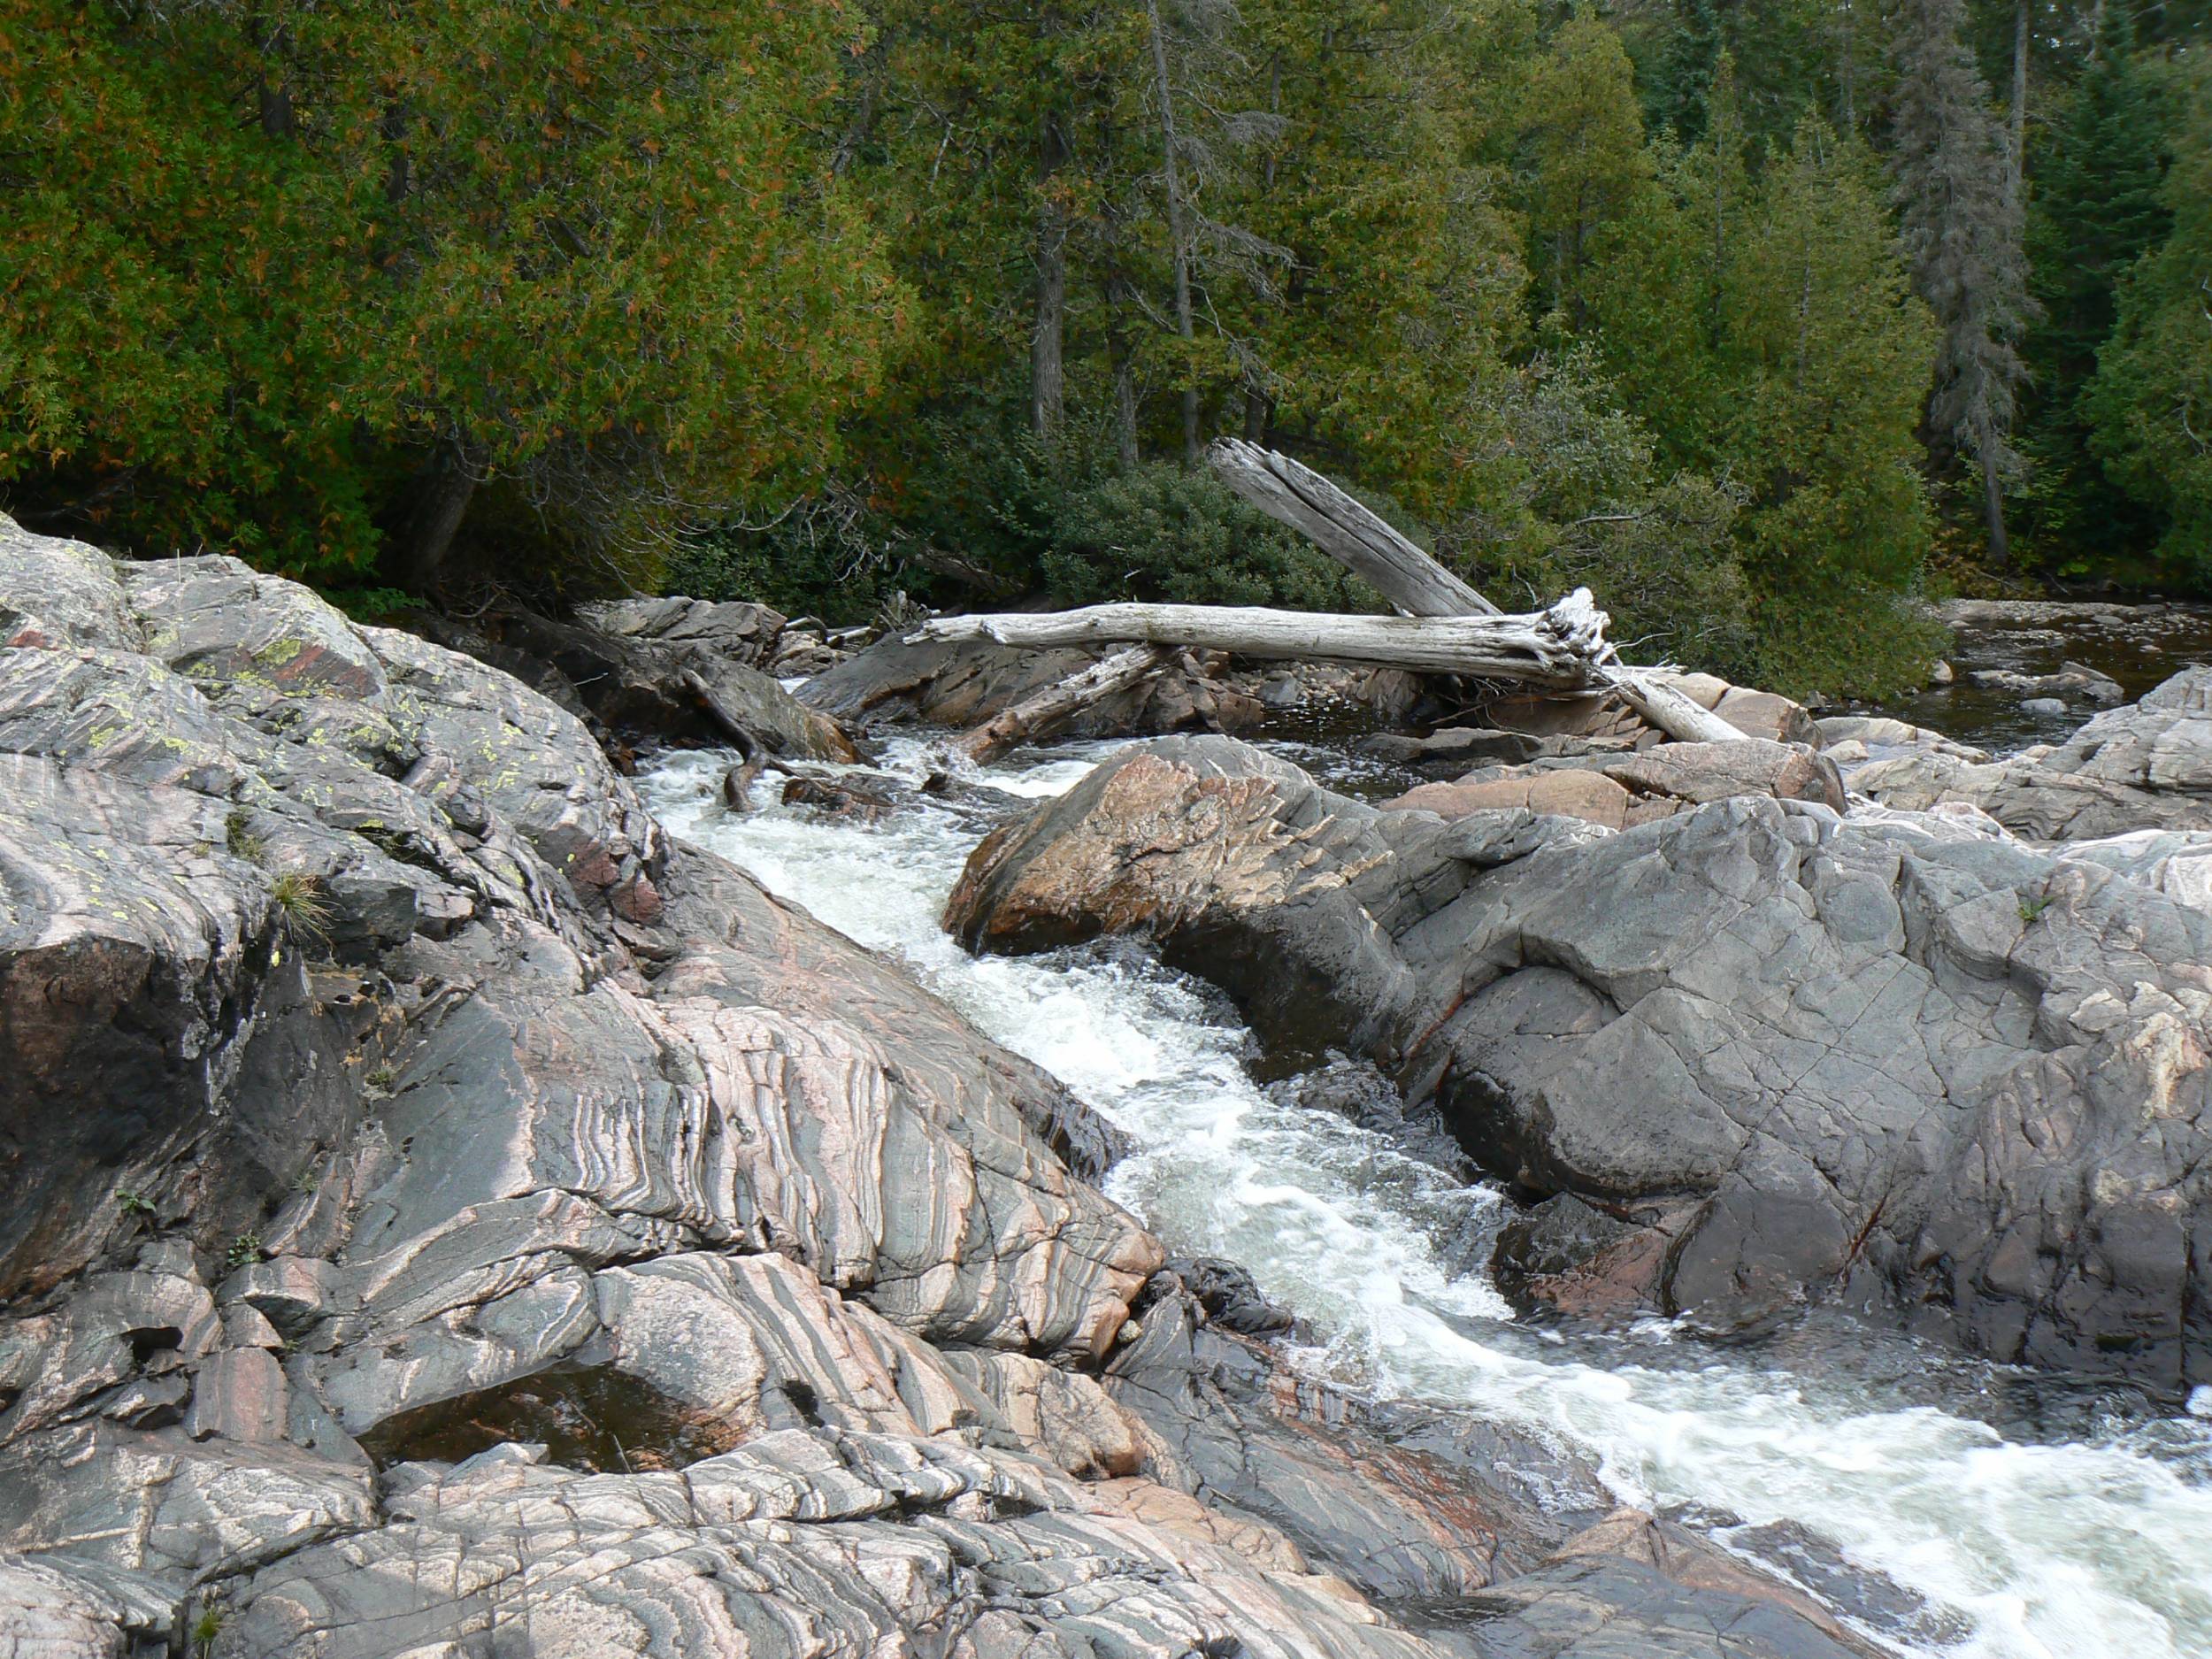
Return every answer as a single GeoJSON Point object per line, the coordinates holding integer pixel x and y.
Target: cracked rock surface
{"type": "Point", "coordinates": [440, 1214]}
{"type": "Point", "coordinates": [1778, 1053]}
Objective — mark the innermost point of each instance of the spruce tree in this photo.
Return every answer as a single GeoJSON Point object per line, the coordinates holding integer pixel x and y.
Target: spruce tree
{"type": "Point", "coordinates": [2097, 207]}
{"type": "Point", "coordinates": [1962, 227]}
{"type": "Point", "coordinates": [2151, 402]}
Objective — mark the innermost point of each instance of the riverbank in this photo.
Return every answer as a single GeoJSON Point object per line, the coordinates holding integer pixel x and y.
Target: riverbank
{"type": "Point", "coordinates": [443, 1211]}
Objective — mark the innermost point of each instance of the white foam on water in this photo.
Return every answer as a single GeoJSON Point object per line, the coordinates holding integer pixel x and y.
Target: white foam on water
{"type": "Point", "coordinates": [2049, 1550]}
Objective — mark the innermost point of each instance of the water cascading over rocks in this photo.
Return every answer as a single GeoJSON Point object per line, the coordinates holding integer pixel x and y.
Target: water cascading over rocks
{"type": "Point", "coordinates": [1754, 1052]}
{"type": "Point", "coordinates": [440, 1210]}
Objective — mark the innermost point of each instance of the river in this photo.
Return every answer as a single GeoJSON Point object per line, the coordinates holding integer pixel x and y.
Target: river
{"type": "Point", "coordinates": [2025, 1517]}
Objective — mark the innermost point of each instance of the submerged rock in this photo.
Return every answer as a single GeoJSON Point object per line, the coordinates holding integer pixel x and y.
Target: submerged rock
{"type": "Point", "coordinates": [1895, 1059]}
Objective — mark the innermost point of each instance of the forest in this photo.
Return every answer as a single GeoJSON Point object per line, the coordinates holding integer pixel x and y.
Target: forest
{"type": "Point", "coordinates": [1766, 320]}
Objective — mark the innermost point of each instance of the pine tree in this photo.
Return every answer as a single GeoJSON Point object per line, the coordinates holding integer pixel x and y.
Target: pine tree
{"type": "Point", "coordinates": [2097, 208]}
{"type": "Point", "coordinates": [1962, 228]}
{"type": "Point", "coordinates": [1825, 350]}
{"type": "Point", "coordinates": [2151, 402]}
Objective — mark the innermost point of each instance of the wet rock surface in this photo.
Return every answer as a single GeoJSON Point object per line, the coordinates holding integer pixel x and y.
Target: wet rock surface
{"type": "Point", "coordinates": [443, 1214]}
{"type": "Point", "coordinates": [1783, 1054]}
{"type": "Point", "coordinates": [2144, 766]}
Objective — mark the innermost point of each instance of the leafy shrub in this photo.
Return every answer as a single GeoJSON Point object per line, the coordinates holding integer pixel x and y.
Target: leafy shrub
{"type": "Point", "coordinates": [1162, 533]}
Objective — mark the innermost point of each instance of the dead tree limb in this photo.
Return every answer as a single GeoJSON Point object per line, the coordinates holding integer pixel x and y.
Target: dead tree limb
{"type": "Point", "coordinates": [1040, 715]}
{"type": "Point", "coordinates": [1292, 494]}
{"type": "Point", "coordinates": [1562, 649]}
{"type": "Point", "coordinates": [754, 756]}
{"type": "Point", "coordinates": [1296, 494]}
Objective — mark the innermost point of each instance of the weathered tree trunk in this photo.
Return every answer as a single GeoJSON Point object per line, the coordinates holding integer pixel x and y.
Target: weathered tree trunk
{"type": "Point", "coordinates": [273, 96]}
{"type": "Point", "coordinates": [1296, 495]}
{"type": "Point", "coordinates": [1993, 508]}
{"type": "Point", "coordinates": [2019, 112]}
{"type": "Point", "coordinates": [1048, 377]}
{"type": "Point", "coordinates": [1041, 715]}
{"type": "Point", "coordinates": [1417, 584]}
{"type": "Point", "coordinates": [1124, 401]}
{"type": "Point", "coordinates": [1563, 649]}
{"type": "Point", "coordinates": [1177, 225]}
{"type": "Point", "coordinates": [447, 484]}
{"type": "Point", "coordinates": [1665, 707]}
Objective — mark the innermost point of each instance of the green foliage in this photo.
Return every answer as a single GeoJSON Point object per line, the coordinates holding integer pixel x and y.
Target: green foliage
{"type": "Point", "coordinates": [2096, 209]}
{"type": "Point", "coordinates": [261, 262]}
{"type": "Point", "coordinates": [1163, 534]}
{"type": "Point", "coordinates": [239, 838]}
{"type": "Point", "coordinates": [300, 900]}
{"type": "Point", "coordinates": [1572, 493]}
{"type": "Point", "coordinates": [244, 1251]}
{"type": "Point", "coordinates": [2151, 401]}
{"type": "Point", "coordinates": [840, 308]}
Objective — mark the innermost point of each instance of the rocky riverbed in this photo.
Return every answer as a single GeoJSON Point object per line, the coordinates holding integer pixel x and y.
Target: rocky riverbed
{"type": "Point", "coordinates": [457, 1201]}
{"type": "Point", "coordinates": [444, 1213]}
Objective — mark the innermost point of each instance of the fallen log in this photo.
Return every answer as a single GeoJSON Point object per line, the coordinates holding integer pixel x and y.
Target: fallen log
{"type": "Point", "coordinates": [1665, 706]}
{"type": "Point", "coordinates": [1563, 649]}
{"type": "Point", "coordinates": [1040, 715]}
{"type": "Point", "coordinates": [1294, 494]}
{"type": "Point", "coordinates": [754, 756]}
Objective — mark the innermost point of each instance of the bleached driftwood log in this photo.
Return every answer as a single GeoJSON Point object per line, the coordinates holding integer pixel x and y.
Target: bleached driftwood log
{"type": "Point", "coordinates": [1563, 649]}
{"type": "Point", "coordinates": [1294, 494]}
{"type": "Point", "coordinates": [1040, 715]}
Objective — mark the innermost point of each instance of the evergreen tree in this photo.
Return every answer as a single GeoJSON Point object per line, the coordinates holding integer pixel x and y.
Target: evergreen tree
{"type": "Point", "coordinates": [2151, 401]}
{"type": "Point", "coordinates": [310, 283]}
{"type": "Point", "coordinates": [2097, 208]}
{"type": "Point", "coordinates": [1961, 225]}
{"type": "Point", "coordinates": [1825, 350]}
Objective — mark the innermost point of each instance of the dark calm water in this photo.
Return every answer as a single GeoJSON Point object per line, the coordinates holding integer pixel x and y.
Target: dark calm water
{"type": "Point", "coordinates": [2136, 645]}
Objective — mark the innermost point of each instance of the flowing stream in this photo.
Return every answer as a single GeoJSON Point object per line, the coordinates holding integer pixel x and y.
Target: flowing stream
{"type": "Point", "coordinates": [2028, 1519]}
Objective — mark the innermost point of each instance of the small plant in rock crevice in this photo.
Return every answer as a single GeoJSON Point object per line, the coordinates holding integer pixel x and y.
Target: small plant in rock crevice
{"type": "Point", "coordinates": [244, 1251]}
{"type": "Point", "coordinates": [238, 837]}
{"type": "Point", "coordinates": [299, 896]}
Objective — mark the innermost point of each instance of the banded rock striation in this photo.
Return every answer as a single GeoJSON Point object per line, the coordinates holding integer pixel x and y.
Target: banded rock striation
{"type": "Point", "coordinates": [441, 1213]}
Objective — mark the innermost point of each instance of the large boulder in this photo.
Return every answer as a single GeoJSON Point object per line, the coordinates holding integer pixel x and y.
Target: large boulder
{"type": "Point", "coordinates": [1637, 787]}
{"type": "Point", "coordinates": [2146, 766]}
{"type": "Point", "coordinates": [440, 1210]}
{"type": "Point", "coordinates": [1799, 1054]}
{"type": "Point", "coordinates": [681, 669]}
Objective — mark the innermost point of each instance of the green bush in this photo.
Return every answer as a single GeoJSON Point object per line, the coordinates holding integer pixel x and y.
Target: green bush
{"type": "Point", "coordinates": [1162, 533]}
{"type": "Point", "coordinates": [1871, 644]}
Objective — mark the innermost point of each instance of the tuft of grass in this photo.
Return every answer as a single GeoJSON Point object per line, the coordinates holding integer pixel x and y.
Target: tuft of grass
{"type": "Point", "coordinates": [238, 836]}
{"type": "Point", "coordinates": [207, 1624]}
{"type": "Point", "coordinates": [2033, 907]}
{"type": "Point", "coordinates": [299, 896]}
